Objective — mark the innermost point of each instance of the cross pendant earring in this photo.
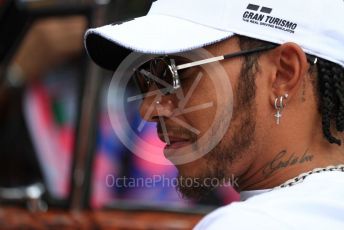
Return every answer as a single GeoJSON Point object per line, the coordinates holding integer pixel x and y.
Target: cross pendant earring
{"type": "Point", "coordinates": [279, 106]}
{"type": "Point", "coordinates": [278, 116]}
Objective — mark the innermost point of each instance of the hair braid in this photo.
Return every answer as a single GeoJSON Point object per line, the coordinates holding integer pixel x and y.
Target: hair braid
{"type": "Point", "coordinates": [339, 85]}
{"type": "Point", "coordinates": [331, 97]}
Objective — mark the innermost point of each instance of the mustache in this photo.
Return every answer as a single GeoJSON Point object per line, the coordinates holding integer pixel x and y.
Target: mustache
{"type": "Point", "coordinates": [177, 131]}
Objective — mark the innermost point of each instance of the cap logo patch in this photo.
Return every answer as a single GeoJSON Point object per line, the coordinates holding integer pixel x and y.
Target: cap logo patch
{"type": "Point", "coordinates": [261, 15]}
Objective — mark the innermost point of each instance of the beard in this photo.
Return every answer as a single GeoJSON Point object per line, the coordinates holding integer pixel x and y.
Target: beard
{"type": "Point", "coordinates": [218, 162]}
{"type": "Point", "coordinates": [238, 140]}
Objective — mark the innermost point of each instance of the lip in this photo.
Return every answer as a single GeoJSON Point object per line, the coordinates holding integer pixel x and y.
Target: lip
{"type": "Point", "coordinates": [177, 145]}
{"type": "Point", "coordinates": [178, 138]}
{"type": "Point", "coordinates": [172, 150]}
{"type": "Point", "coordinates": [175, 142]}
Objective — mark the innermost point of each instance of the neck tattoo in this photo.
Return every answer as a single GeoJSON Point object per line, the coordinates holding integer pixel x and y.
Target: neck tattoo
{"type": "Point", "coordinates": [284, 160]}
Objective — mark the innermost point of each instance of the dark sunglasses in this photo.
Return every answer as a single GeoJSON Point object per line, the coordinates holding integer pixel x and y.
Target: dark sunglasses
{"type": "Point", "coordinates": [163, 71]}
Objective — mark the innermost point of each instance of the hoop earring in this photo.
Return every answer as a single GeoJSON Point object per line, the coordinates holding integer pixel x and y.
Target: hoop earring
{"type": "Point", "coordinates": [279, 106]}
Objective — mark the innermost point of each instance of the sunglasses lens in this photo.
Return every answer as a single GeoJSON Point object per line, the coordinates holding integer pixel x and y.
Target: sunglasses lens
{"type": "Point", "coordinates": [156, 72]}
{"type": "Point", "coordinates": [161, 70]}
{"type": "Point", "coordinates": [142, 81]}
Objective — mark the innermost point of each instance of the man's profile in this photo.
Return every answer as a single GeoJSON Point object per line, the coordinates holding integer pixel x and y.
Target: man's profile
{"type": "Point", "coordinates": [285, 63]}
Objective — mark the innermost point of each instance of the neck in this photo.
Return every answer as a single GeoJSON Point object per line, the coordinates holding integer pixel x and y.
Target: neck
{"type": "Point", "coordinates": [286, 163]}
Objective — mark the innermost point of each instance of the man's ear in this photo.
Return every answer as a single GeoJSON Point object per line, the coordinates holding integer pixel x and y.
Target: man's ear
{"type": "Point", "coordinates": [290, 68]}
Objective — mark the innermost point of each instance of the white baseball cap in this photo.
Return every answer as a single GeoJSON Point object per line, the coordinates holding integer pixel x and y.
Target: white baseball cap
{"type": "Point", "coordinates": [173, 26]}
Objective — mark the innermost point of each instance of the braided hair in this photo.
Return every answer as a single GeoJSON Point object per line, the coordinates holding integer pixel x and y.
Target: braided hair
{"type": "Point", "coordinates": [329, 86]}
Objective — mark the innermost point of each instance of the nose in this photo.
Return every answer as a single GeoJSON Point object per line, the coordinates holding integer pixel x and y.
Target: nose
{"type": "Point", "coordinates": [157, 106]}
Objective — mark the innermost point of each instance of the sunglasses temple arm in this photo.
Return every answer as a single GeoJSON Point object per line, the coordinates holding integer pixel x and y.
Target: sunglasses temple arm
{"type": "Point", "coordinates": [248, 52]}
{"type": "Point", "coordinates": [227, 56]}
{"type": "Point", "coordinates": [201, 62]}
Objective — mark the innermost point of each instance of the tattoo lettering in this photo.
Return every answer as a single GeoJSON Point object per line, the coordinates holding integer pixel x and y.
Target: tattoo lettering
{"type": "Point", "coordinates": [283, 160]}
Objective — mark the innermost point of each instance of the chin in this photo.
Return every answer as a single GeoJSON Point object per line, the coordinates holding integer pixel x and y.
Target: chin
{"type": "Point", "coordinates": [191, 178]}
{"type": "Point", "coordinates": [192, 169]}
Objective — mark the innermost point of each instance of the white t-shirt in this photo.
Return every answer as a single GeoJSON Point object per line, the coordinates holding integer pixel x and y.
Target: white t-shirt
{"type": "Point", "coordinates": [315, 203]}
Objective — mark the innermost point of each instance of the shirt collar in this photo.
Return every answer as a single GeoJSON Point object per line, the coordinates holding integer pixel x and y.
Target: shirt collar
{"type": "Point", "coordinates": [244, 195]}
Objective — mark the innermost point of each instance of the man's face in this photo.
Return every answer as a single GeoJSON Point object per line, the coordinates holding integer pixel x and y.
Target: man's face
{"type": "Point", "coordinates": [186, 128]}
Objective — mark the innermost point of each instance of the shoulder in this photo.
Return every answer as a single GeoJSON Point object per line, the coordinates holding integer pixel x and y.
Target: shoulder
{"type": "Point", "coordinates": [241, 215]}
{"type": "Point", "coordinates": [306, 204]}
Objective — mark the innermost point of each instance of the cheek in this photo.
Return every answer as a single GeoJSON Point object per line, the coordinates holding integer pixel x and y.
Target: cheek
{"type": "Point", "coordinates": [202, 105]}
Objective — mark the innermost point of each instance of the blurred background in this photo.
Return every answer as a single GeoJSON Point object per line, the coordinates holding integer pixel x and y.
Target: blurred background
{"type": "Point", "coordinates": [58, 150]}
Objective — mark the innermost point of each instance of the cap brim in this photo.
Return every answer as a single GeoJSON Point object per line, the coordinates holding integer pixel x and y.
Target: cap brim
{"type": "Point", "coordinates": [151, 34]}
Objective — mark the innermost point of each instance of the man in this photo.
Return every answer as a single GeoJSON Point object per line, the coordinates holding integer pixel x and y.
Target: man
{"type": "Point", "coordinates": [284, 141]}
